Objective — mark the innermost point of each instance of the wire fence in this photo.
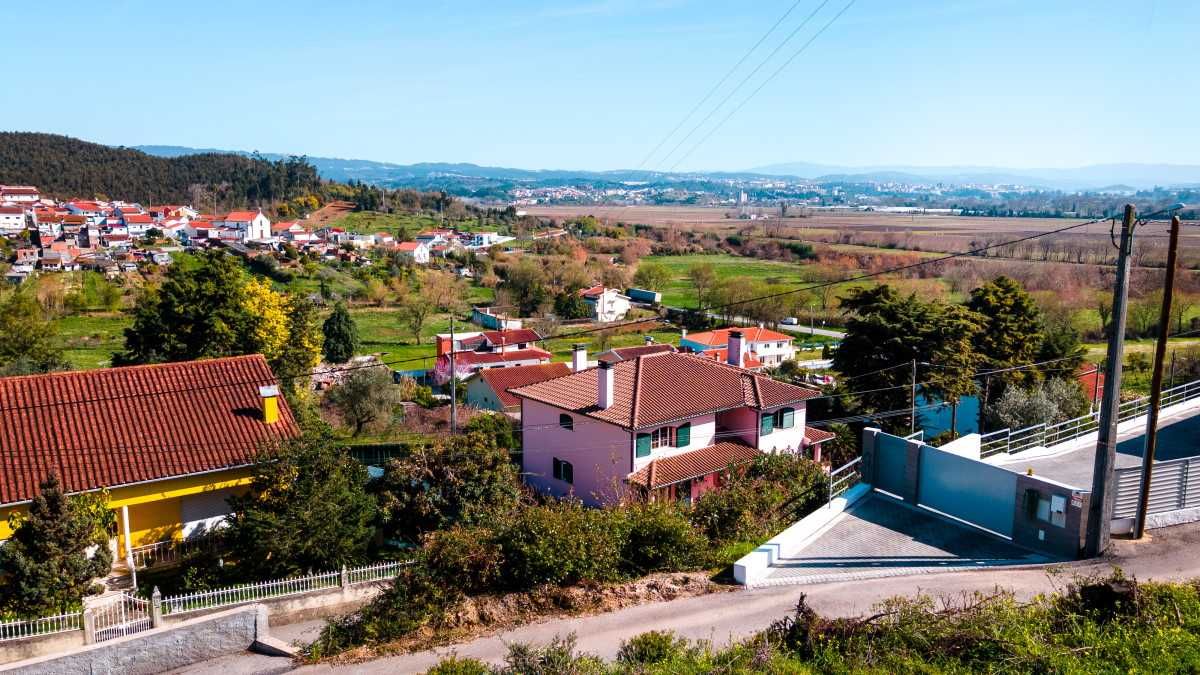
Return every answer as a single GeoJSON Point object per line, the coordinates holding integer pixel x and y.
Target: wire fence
{"type": "Point", "coordinates": [1008, 441]}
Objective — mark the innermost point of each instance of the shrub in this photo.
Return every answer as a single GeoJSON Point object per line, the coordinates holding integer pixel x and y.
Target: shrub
{"type": "Point", "coordinates": [658, 536]}
{"type": "Point", "coordinates": [467, 558]}
{"type": "Point", "coordinates": [728, 514]}
{"type": "Point", "coordinates": [556, 658]}
{"type": "Point", "coordinates": [559, 543]}
{"type": "Point", "coordinates": [413, 600]}
{"type": "Point", "coordinates": [457, 666]}
{"type": "Point", "coordinates": [651, 647]}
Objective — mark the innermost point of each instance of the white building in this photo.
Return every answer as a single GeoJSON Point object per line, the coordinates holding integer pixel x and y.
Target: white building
{"type": "Point", "coordinates": [12, 220]}
{"type": "Point", "coordinates": [250, 225]}
{"type": "Point", "coordinates": [606, 304]}
{"type": "Point", "coordinates": [19, 194]}
{"type": "Point", "coordinates": [417, 250]}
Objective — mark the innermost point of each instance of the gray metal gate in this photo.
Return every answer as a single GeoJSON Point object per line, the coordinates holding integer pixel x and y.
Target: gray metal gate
{"type": "Point", "coordinates": [1174, 485]}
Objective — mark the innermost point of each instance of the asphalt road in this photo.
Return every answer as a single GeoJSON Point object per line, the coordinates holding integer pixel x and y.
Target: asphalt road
{"type": "Point", "coordinates": [1168, 555]}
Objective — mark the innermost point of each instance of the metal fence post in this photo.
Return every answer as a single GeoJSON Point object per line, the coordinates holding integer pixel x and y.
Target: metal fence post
{"type": "Point", "coordinates": [156, 608]}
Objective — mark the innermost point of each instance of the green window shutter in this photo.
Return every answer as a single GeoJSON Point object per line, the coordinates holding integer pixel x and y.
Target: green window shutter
{"type": "Point", "coordinates": [786, 418]}
{"type": "Point", "coordinates": [767, 425]}
{"type": "Point", "coordinates": [683, 435]}
{"type": "Point", "coordinates": [643, 445]}
{"type": "Point", "coordinates": [568, 473]}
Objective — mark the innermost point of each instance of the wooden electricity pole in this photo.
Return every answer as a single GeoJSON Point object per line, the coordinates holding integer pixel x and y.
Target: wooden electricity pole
{"type": "Point", "coordinates": [1100, 507]}
{"type": "Point", "coordinates": [1156, 381]}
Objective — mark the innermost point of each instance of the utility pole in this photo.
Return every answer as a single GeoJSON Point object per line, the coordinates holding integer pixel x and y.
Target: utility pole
{"type": "Point", "coordinates": [1101, 506]}
{"type": "Point", "coordinates": [453, 383]}
{"type": "Point", "coordinates": [912, 418]}
{"type": "Point", "coordinates": [1156, 381]}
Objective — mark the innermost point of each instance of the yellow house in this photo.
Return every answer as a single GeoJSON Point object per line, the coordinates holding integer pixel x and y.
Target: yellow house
{"type": "Point", "coordinates": [170, 442]}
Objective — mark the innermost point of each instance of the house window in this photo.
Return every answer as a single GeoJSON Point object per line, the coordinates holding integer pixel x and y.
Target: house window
{"type": "Point", "coordinates": [785, 418]}
{"type": "Point", "coordinates": [683, 435]}
{"type": "Point", "coordinates": [641, 447]}
{"type": "Point", "coordinates": [662, 438]}
{"type": "Point", "coordinates": [766, 424]}
{"type": "Point", "coordinates": [566, 422]}
{"type": "Point", "coordinates": [564, 471]}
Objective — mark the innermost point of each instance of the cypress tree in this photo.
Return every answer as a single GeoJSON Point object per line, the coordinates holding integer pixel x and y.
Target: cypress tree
{"type": "Point", "coordinates": [341, 335]}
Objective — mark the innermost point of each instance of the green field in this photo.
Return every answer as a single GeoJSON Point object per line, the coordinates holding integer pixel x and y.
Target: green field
{"type": "Point", "coordinates": [89, 340]}
{"type": "Point", "coordinates": [680, 292]}
{"type": "Point", "coordinates": [369, 222]}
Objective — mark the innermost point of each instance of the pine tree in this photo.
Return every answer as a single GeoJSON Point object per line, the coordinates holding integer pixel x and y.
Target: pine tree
{"type": "Point", "coordinates": [54, 556]}
{"type": "Point", "coordinates": [341, 335]}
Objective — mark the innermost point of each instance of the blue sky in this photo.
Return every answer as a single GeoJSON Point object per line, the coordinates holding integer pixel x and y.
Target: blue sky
{"type": "Point", "coordinates": [598, 83]}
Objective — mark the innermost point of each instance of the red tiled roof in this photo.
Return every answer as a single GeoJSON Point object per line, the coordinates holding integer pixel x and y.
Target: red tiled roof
{"type": "Point", "coordinates": [18, 190]}
{"type": "Point", "coordinates": [658, 388]}
{"type": "Point", "coordinates": [592, 292]}
{"type": "Point", "coordinates": [103, 428]}
{"type": "Point", "coordinates": [692, 464]}
{"type": "Point", "coordinates": [629, 353]}
{"type": "Point", "coordinates": [137, 218]}
{"type": "Point", "coordinates": [722, 355]}
{"type": "Point", "coordinates": [15, 210]}
{"type": "Point", "coordinates": [408, 246]}
{"type": "Point", "coordinates": [503, 379]}
{"type": "Point", "coordinates": [466, 359]}
{"type": "Point", "coordinates": [720, 337]}
{"type": "Point", "coordinates": [511, 336]}
{"type": "Point", "coordinates": [240, 216]}
{"type": "Point", "coordinates": [814, 435]}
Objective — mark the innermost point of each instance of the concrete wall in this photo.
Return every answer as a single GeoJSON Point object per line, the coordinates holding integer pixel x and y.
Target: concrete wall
{"type": "Point", "coordinates": [966, 488]}
{"type": "Point", "coordinates": [159, 649]}
{"type": "Point", "coordinates": [967, 445]}
{"type": "Point", "coordinates": [1028, 530]}
{"type": "Point", "coordinates": [28, 648]}
{"type": "Point", "coordinates": [601, 454]}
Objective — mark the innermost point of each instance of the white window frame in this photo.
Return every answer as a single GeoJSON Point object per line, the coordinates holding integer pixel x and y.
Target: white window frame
{"type": "Point", "coordinates": [663, 437]}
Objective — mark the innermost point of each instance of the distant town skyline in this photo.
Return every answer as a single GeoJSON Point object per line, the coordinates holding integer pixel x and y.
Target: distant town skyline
{"type": "Point", "coordinates": [599, 84]}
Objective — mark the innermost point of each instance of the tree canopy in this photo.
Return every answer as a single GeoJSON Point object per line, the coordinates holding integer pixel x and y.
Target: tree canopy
{"type": "Point", "coordinates": [341, 335]}
{"type": "Point", "coordinates": [55, 553]}
{"type": "Point", "coordinates": [28, 342]}
{"type": "Point", "coordinates": [307, 508]}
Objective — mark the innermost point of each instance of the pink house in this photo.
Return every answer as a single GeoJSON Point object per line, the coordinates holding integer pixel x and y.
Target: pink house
{"type": "Point", "coordinates": [663, 425]}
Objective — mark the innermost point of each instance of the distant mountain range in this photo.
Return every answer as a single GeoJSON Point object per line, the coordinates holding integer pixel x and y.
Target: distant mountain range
{"type": "Point", "coordinates": [1109, 177]}
{"type": "Point", "coordinates": [1100, 177]}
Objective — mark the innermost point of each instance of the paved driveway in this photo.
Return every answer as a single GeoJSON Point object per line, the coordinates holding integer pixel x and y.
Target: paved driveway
{"type": "Point", "coordinates": [1178, 436]}
{"type": "Point", "coordinates": [880, 537]}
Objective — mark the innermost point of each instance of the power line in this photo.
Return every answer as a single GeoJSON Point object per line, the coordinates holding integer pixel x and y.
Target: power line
{"type": "Point", "coordinates": [765, 82]}
{"type": "Point", "coordinates": [744, 81]}
{"type": "Point", "coordinates": [719, 84]}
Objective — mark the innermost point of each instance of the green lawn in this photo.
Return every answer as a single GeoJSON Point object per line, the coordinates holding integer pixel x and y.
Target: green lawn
{"type": "Point", "coordinates": [680, 292]}
{"type": "Point", "coordinates": [89, 340]}
{"type": "Point", "coordinates": [368, 222]}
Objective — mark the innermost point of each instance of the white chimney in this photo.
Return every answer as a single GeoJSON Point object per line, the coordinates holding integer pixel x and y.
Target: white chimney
{"type": "Point", "coordinates": [579, 357]}
{"type": "Point", "coordinates": [604, 385]}
{"type": "Point", "coordinates": [734, 349]}
{"type": "Point", "coordinates": [682, 333]}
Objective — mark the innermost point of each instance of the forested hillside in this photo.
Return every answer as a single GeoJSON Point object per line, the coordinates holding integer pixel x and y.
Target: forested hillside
{"type": "Point", "coordinates": [67, 167]}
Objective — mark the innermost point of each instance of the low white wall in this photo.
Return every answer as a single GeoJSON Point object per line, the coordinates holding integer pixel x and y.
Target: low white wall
{"type": "Point", "coordinates": [968, 446]}
{"type": "Point", "coordinates": [158, 649]}
{"type": "Point", "coordinates": [1157, 520]}
{"type": "Point", "coordinates": [753, 566]}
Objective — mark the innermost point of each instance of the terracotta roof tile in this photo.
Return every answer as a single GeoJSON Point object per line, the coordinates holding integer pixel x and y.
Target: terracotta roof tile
{"type": "Point", "coordinates": [658, 388]}
{"type": "Point", "coordinates": [511, 336]}
{"type": "Point", "coordinates": [692, 464]}
{"type": "Point", "coordinates": [463, 359]}
{"type": "Point", "coordinates": [503, 379]}
{"type": "Point", "coordinates": [814, 435]}
{"type": "Point", "coordinates": [103, 428]}
{"type": "Point", "coordinates": [720, 337]}
{"type": "Point", "coordinates": [629, 353]}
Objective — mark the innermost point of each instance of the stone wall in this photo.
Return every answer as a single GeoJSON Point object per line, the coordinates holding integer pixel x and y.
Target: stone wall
{"type": "Point", "coordinates": [158, 649]}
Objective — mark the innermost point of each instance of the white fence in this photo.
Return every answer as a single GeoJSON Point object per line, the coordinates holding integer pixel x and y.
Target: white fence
{"type": "Point", "coordinates": [1174, 485]}
{"type": "Point", "coordinates": [1007, 441]}
{"type": "Point", "coordinates": [133, 615]}
{"type": "Point", "coordinates": [48, 625]}
{"type": "Point", "coordinates": [169, 552]}
{"type": "Point", "coordinates": [264, 590]}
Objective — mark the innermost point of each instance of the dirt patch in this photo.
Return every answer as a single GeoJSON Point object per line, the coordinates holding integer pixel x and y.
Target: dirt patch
{"type": "Point", "coordinates": [488, 614]}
